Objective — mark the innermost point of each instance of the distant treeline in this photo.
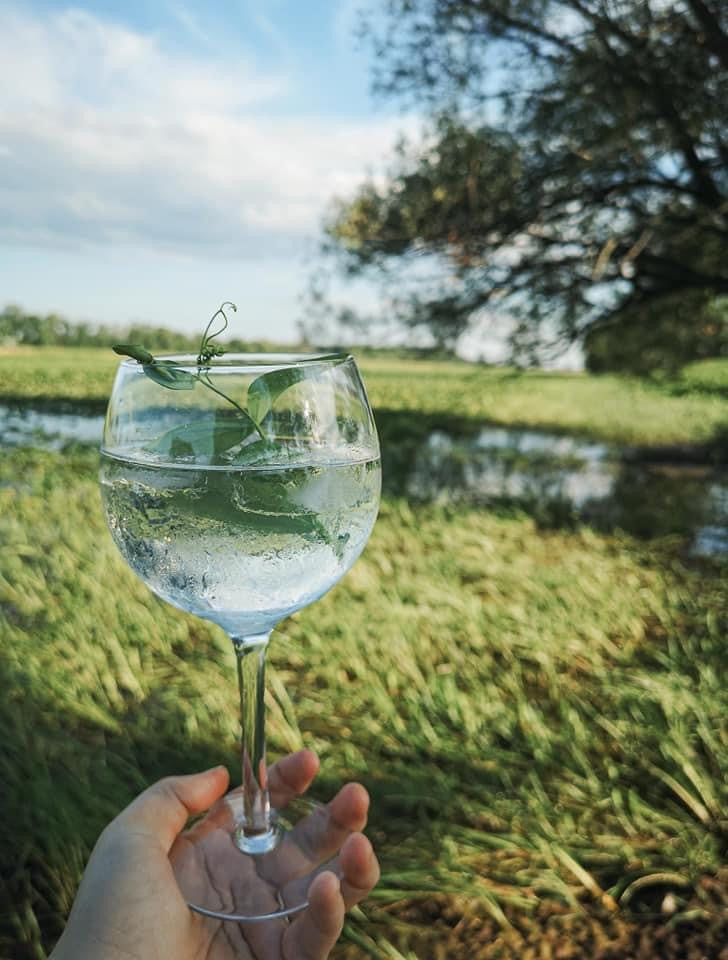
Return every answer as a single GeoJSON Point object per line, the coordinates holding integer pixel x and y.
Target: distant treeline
{"type": "Point", "coordinates": [51, 329]}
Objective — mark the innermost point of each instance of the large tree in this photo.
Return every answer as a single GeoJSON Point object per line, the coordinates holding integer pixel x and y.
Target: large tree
{"type": "Point", "coordinates": [574, 170]}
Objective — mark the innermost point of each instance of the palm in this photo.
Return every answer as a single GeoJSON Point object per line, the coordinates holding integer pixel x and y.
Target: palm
{"type": "Point", "coordinates": [253, 886]}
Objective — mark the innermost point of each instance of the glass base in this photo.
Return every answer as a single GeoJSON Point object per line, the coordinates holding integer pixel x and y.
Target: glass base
{"type": "Point", "coordinates": [266, 880]}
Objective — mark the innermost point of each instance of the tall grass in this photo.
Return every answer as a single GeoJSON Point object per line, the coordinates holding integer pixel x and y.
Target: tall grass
{"type": "Point", "coordinates": [539, 716]}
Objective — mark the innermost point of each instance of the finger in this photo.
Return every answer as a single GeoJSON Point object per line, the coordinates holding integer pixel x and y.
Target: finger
{"type": "Point", "coordinates": [321, 834]}
{"type": "Point", "coordinates": [356, 866]}
{"type": "Point", "coordinates": [164, 808]}
{"type": "Point", "coordinates": [359, 869]}
{"type": "Point", "coordinates": [288, 778]}
{"type": "Point", "coordinates": [312, 934]}
{"type": "Point", "coordinates": [292, 776]}
{"type": "Point", "coordinates": [316, 838]}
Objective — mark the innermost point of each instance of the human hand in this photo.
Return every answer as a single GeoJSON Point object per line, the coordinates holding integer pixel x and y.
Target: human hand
{"type": "Point", "coordinates": [129, 904]}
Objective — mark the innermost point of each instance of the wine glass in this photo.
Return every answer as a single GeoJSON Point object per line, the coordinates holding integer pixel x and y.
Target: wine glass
{"type": "Point", "coordinates": [240, 489]}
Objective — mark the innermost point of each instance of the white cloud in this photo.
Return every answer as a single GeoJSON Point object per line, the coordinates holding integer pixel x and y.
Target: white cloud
{"type": "Point", "coordinates": [108, 138]}
{"type": "Point", "coordinates": [75, 58]}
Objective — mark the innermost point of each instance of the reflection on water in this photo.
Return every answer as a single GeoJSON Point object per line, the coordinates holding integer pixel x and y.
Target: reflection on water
{"type": "Point", "coordinates": [24, 426]}
{"type": "Point", "coordinates": [510, 464]}
{"type": "Point", "coordinates": [710, 541]}
{"type": "Point", "coordinates": [561, 480]}
{"type": "Point", "coordinates": [557, 479]}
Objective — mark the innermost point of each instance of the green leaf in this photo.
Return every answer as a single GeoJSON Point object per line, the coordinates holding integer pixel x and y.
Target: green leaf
{"type": "Point", "coordinates": [265, 389]}
{"type": "Point", "coordinates": [229, 433]}
{"type": "Point", "coordinates": [166, 374]}
{"type": "Point", "coordinates": [163, 372]}
{"type": "Point", "coordinates": [255, 452]}
{"type": "Point", "coordinates": [215, 506]}
{"type": "Point", "coordinates": [180, 448]}
{"type": "Point", "coordinates": [134, 351]}
{"type": "Point", "coordinates": [204, 439]}
{"type": "Point", "coordinates": [304, 524]}
{"type": "Point", "coordinates": [272, 503]}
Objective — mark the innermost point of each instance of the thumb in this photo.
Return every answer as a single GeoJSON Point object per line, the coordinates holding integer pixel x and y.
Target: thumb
{"type": "Point", "coordinates": [163, 809]}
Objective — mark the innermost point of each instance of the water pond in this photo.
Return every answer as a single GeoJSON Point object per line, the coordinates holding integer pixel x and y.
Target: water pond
{"type": "Point", "coordinates": [560, 480]}
{"type": "Point", "coordinates": [25, 426]}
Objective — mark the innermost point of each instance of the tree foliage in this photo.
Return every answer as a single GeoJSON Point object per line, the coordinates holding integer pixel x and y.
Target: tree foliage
{"type": "Point", "coordinates": [574, 170]}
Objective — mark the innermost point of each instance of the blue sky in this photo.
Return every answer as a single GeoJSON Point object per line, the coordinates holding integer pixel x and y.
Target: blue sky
{"type": "Point", "coordinates": [157, 158]}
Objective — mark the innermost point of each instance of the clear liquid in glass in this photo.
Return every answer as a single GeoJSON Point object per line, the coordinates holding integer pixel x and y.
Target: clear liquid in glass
{"type": "Point", "coordinates": [243, 547]}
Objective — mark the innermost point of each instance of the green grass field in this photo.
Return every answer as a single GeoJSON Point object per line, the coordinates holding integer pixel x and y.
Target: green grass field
{"type": "Point", "coordinates": [620, 409]}
{"type": "Point", "coordinates": [540, 716]}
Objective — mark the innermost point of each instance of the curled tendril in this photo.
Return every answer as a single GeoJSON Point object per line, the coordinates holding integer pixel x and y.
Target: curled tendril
{"type": "Point", "coordinates": [206, 350]}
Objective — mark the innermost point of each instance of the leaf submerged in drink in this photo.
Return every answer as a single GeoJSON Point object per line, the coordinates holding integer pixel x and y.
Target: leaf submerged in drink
{"type": "Point", "coordinates": [241, 546]}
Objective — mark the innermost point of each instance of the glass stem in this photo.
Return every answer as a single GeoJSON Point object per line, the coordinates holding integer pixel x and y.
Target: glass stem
{"type": "Point", "coordinates": [255, 832]}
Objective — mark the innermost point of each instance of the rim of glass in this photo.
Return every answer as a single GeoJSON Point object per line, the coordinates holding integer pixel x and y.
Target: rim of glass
{"type": "Point", "coordinates": [252, 361]}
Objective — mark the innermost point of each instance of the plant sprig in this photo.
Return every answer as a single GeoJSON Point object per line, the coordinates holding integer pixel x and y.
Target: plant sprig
{"type": "Point", "coordinates": [224, 433]}
{"type": "Point", "coordinates": [207, 352]}
{"type": "Point", "coordinates": [243, 437]}
{"type": "Point", "coordinates": [167, 374]}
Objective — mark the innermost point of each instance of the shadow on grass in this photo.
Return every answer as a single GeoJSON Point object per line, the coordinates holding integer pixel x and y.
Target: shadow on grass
{"type": "Point", "coordinates": [64, 777]}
